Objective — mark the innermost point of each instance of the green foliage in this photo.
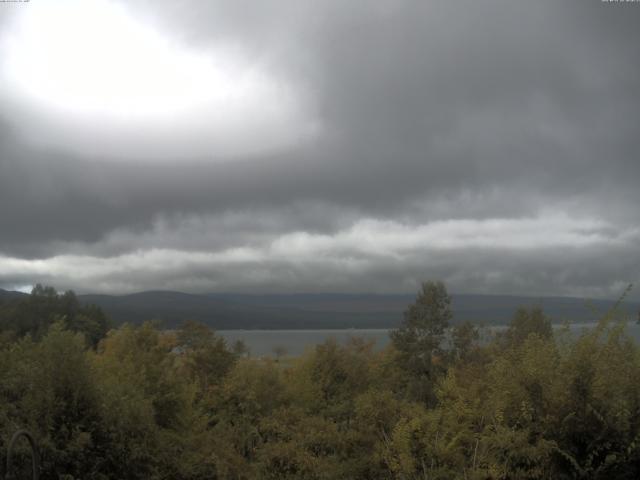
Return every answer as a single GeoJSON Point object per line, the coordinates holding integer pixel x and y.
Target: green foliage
{"type": "Point", "coordinates": [463, 338]}
{"type": "Point", "coordinates": [419, 340]}
{"type": "Point", "coordinates": [34, 314]}
{"type": "Point", "coordinates": [205, 356]}
{"type": "Point", "coordinates": [183, 405]}
{"type": "Point", "coordinates": [525, 322]}
{"type": "Point", "coordinates": [48, 388]}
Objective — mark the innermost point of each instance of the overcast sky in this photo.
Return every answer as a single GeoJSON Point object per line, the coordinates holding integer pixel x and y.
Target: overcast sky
{"type": "Point", "coordinates": [332, 146]}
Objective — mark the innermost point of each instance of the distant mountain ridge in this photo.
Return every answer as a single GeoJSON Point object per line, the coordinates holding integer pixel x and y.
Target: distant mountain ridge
{"type": "Point", "coordinates": [6, 294]}
{"type": "Point", "coordinates": [327, 310]}
{"type": "Point", "coordinates": [230, 311]}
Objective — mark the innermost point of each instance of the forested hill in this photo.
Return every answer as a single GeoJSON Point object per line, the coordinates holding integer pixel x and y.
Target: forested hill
{"type": "Point", "coordinates": [314, 311]}
{"type": "Point", "coordinates": [8, 294]}
{"type": "Point", "coordinates": [142, 402]}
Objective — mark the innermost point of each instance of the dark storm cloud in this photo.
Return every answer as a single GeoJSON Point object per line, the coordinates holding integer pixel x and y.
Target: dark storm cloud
{"type": "Point", "coordinates": [428, 111]}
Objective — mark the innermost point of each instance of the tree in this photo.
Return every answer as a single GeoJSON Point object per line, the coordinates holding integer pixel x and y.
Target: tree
{"type": "Point", "coordinates": [240, 348]}
{"type": "Point", "coordinates": [463, 337]}
{"type": "Point", "coordinates": [148, 406]}
{"type": "Point", "coordinates": [280, 352]}
{"type": "Point", "coordinates": [34, 314]}
{"type": "Point", "coordinates": [418, 341]}
{"type": "Point", "coordinates": [48, 387]}
{"type": "Point", "coordinates": [527, 321]}
{"type": "Point", "coordinates": [205, 358]}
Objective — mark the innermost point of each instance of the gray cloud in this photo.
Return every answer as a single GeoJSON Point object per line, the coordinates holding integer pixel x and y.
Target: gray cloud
{"type": "Point", "coordinates": [428, 111]}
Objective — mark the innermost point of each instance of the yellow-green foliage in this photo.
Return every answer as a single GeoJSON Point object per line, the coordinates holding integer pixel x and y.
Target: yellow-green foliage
{"type": "Point", "coordinates": [182, 405]}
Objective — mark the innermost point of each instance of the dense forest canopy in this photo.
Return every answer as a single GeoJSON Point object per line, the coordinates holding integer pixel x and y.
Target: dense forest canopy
{"type": "Point", "coordinates": [138, 402]}
{"type": "Point", "coordinates": [34, 314]}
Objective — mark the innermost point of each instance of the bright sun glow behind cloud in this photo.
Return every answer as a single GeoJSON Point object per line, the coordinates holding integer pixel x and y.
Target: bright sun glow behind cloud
{"type": "Point", "coordinates": [90, 62]}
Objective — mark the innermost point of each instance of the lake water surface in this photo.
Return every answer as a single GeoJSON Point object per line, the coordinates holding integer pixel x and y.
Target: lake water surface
{"type": "Point", "coordinates": [295, 342]}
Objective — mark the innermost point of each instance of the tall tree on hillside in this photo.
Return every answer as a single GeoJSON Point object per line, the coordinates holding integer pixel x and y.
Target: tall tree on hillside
{"type": "Point", "coordinates": [463, 338]}
{"type": "Point", "coordinates": [418, 340]}
{"type": "Point", "coordinates": [206, 356]}
{"type": "Point", "coordinates": [34, 314]}
{"type": "Point", "coordinates": [525, 322]}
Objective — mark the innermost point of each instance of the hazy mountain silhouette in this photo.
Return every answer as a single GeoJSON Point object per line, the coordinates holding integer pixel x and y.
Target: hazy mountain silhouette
{"type": "Point", "coordinates": [326, 310]}
{"type": "Point", "coordinates": [5, 294]}
{"type": "Point", "coordinates": [292, 311]}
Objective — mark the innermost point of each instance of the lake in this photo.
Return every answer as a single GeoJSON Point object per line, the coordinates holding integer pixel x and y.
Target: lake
{"type": "Point", "coordinates": [295, 342]}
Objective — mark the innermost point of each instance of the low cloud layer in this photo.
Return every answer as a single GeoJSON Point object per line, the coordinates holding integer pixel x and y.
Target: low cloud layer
{"type": "Point", "coordinates": [490, 145]}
